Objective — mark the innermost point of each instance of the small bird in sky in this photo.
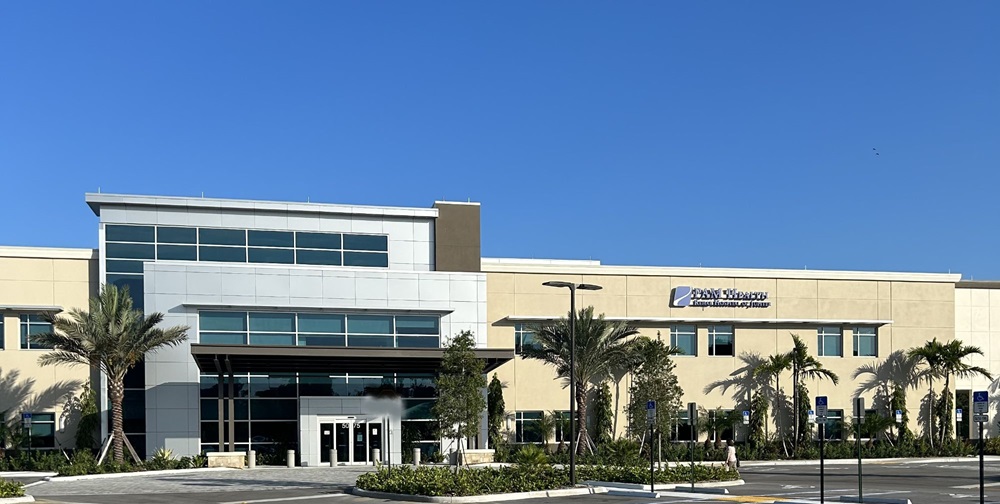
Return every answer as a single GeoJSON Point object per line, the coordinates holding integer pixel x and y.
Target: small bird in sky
{"type": "Point", "coordinates": [875, 150]}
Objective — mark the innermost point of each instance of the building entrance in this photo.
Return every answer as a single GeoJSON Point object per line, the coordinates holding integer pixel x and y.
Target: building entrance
{"type": "Point", "coordinates": [354, 439]}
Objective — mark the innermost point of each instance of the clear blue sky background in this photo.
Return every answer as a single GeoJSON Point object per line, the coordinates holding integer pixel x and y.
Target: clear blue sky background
{"type": "Point", "coordinates": [666, 133]}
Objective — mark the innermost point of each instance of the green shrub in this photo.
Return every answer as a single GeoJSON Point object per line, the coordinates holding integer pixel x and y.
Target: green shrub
{"type": "Point", "coordinates": [530, 455]}
{"type": "Point", "coordinates": [437, 481]}
{"type": "Point", "coordinates": [11, 489]}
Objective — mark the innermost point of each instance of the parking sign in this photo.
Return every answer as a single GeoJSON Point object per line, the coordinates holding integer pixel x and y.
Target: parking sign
{"type": "Point", "coordinates": [981, 402]}
{"type": "Point", "coordinates": [821, 406]}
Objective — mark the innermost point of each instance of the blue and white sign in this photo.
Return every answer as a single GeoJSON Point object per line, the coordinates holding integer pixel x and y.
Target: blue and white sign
{"type": "Point", "coordinates": [958, 415]}
{"type": "Point", "coordinates": [26, 419]}
{"type": "Point", "coordinates": [980, 402]}
{"type": "Point", "coordinates": [899, 416]}
{"type": "Point", "coordinates": [821, 403]}
{"type": "Point", "coordinates": [650, 405]}
{"type": "Point", "coordinates": [684, 296]}
{"type": "Point", "coordinates": [811, 415]}
{"type": "Point", "coordinates": [650, 412]}
{"type": "Point", "coordinates": [746, 417]}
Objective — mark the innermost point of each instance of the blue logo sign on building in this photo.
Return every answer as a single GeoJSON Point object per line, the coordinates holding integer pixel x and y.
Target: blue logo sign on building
{"type": "Point", "coordinates": [685, 295]}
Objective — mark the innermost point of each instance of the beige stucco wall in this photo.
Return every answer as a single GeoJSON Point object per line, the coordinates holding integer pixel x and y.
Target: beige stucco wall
{"type": "Point", "coordinates": [977, 323]}
{"type": "Point", "coordinates": [31, 280]}
{"type": "Point", "coordinates": [912, 309]}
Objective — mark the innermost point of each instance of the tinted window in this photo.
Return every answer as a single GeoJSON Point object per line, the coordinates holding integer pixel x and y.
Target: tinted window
{"type": "Point", "coordinates": [417, 325]}
{"type": "Point", "coordinates": [124, 266]}
{"type": "Point", "coordinates": [176, 235]}
{"type": "Point", "coordinates": [317, 323]}
{"type": "Point", "coordinates": [321, 340]}
{"type": "Point", "coordinates": [270, 238]}
{"type": "Point", "coordinates": [176, 253]}
{"type": "Point", "coordinates": [366, 242]}
{"type": "Point", "coordinates": [375, 259]}
{"type": "Point", "coordinates": [369, 341]}
{"type": "Point", "coordinates": [223, 321]}
{"type": "Point", "coordinates": [275, 322]}
{"type": "Point", "coordinates": [129, 251]}
{"type": "Point", "coordinates": [210, 338]}
{"type": "Point", "coordinates": [317, 257]}
{"type": "Point", "coordinates": [268, 255]}
{"type": "Point", "coordinates": [223, 254]}
{"type": "Point", "coordinates": [129, 233]}
{"type": "Point", "coordinates": [317, 240]}
{"type": "Point", "coordinates": [417, 342]}
{"type": "Point", "coordinates": [222, 236]}
{"type": "Point", "coordinates": [369, 324]}
{"type": "Point", "coordinates": [272, 339]}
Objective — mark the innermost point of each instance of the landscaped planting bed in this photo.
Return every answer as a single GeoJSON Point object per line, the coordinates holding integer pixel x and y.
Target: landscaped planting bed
{"type": "Point", "coordinates": [439, 481]}
{"type": "Point", "coordinates": [11, 489]}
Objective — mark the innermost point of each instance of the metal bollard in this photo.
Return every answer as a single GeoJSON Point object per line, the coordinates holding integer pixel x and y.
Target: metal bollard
{"type": "Point", "coordinates": [291, 458]}
{"type": "Point", "coordinates": [376, 455]}
{"type": "Point", "coordinates": [251, 459]}
{"type": "Point", "coordinates": [333, 457]}
{"type": "Point", "coordinates": [416, 456]}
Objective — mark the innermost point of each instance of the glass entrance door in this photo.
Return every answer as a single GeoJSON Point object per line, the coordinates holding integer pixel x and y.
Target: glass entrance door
{"type": "Point", "coordinates": [343, 441]}
{"type": "Point", "coordinates": [326, 442]}
{"type": "Point", "coordinates": [360, 437]}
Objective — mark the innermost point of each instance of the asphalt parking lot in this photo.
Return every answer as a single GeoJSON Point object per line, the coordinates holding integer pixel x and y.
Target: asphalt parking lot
{"type": "Point", "coordinates": [919, 481]}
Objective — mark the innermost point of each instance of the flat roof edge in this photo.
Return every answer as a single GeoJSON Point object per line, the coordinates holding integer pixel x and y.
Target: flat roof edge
{"type": "Point", "coordinates": [96, 200]}
{"type": "Point", "coordinates": [47, 253]}
{"type": "Point", "coordinates": [584, 269]}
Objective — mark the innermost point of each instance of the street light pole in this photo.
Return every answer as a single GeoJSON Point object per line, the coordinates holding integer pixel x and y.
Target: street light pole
{"type": "Point", "coordinates": [572, 367]}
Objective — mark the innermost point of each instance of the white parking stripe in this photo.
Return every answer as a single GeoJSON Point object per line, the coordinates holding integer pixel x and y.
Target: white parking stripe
{"type": "Point", "coordinates": [283, 499]}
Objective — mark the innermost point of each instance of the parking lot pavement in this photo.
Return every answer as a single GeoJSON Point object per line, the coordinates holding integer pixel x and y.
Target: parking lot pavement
{"type": "Point", "coordinates": [931, 482]}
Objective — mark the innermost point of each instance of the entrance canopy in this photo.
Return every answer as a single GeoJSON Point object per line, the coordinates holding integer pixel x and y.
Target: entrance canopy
{"type": "Point", "coordinates": [287, 359]}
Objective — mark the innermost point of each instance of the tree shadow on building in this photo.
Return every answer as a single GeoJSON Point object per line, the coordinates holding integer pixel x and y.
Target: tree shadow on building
{"type": "Point", "coordinates": [19, 395]}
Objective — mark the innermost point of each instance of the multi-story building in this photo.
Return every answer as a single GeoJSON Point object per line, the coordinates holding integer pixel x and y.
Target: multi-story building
{"type": "Point", "coordinates": [300, 313]}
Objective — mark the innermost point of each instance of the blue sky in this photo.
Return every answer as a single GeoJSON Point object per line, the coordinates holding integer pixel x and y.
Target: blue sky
{"type": "Point", "coordinates": [735, 134]}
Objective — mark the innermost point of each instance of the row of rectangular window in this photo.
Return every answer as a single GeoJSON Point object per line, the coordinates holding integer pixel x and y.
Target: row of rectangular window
{"type": "Point", "coordinates": [30, 325]}
{"type": "Point", "coordinates": [527, 427]}
{"type": "Point", "coordinates": [319, 329]}
{"type": "Point", "coordinates": [244, 237]}
{"type": "Point", "coordinates": [721, 340]}
{"type": "Point", "coordinates": [407, 386]}
{"type": "Point", "coordinates": [128, 257]}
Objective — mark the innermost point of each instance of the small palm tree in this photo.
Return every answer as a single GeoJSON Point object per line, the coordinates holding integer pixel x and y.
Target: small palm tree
{"type": "Point", "coordinates": [111, 336]}
{"type": "Point", "coordinates": [931, 354]}
{"type": "Point", "coordinates": [601, 347]}
{"type": "Point", "coordinates": [805, 366]}
{"type": "Point", "coordinates": [954, 355]}
{"type": "Point", "coordinates": [545, 427]}
{"type": "Point", "coordinates": [772, 369]}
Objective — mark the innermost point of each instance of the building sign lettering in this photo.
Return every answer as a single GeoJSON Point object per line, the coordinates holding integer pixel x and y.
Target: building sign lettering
{"type": "Point", "coordinates": [685, 296]}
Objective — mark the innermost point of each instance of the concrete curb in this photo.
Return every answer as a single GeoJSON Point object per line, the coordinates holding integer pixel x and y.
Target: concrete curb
{"type": "Point", "coordinates": [664, 487]}
{"type": "Point", "coordinates": [16, 500]}
{"type": "Point", "coordinates": [874, 500]}
{"type": "Point", "coordinates": [27, 474]}
{"type": "Point", "coordinates": [939, 460]}
{"type": "Point", "coordinates": [563, 492]}
{"type": "Point", "coordinates": [168, 472]}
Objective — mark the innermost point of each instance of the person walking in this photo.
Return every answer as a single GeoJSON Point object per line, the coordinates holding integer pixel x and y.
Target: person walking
{"type": "Point", "coordinates": [731, 461]}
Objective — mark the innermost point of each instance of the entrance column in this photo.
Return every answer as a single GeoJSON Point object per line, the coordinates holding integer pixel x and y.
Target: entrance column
{"type": "Point", "coordinates": [232, 406]}
{"type": "Point", "coordinates": [221, 419]}
{"type": "Point", "coordinates": [484, 423]}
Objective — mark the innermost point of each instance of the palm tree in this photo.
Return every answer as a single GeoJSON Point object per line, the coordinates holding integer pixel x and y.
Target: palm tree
{"type": "Point", "coordinates": [953, 362]}
{"type": "Point", "coordinates": [601, 347]}
{"type": "Point", "coordinates": [931, 354]}
{"type": "Point", "coordinates": [805, 366]}
{"type": "Point", "coordinates": [111, 336]}
{"type": "Point", "coordinates": [749, 388]}
{"type": "Point", "coordinates": [545, 427]}
{"type": "Point", "coordinates": [772, 368]}
{"type": "Point", "coordinates": [889, 379]}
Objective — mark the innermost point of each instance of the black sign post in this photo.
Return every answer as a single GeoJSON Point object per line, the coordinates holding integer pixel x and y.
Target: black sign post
{"type": "Point", "coordinates": [980, 409]}
{"type": "Point", "coordinates": [822, 472]}
{"type": "Point", "coordinates": [652, 476]}
{"type": "Point", "coordinates": [982, 487]}
{"type": "Point", "coordinates": [859, 410]}
{"type": "Point", "coordinates": [693, 421]}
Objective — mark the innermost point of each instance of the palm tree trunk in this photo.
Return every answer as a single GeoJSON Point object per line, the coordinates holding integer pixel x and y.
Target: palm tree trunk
{"type": "Point", "coordinates": [581, 421]}
{"type": "Point", "coordinates": [947, 411]}
{"type": "Point", "coordinates": [618, 388]}
{"type": "Point", "coordinates": [795, 408]}
{"type": "Point", "coordinates": [930, 414]}
{"type": "Point", "coordinates": [116, 392]}
{"type": "Point", "coordinates": [778, 412]}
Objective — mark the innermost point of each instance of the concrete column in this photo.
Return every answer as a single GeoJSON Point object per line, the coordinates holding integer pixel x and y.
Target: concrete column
{"type": "Point", "coordinates": [484, 424]}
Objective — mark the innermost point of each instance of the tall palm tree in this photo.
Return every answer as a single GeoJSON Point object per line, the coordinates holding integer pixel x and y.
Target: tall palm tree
{"type": "Point", "coordinates": [601, 347]}
{"type": "Point", "coordinates": [111, 336]}
{"type": "Point", "coordinates": [805, 366]}
{"type": "Point", "coordinates": [954, 355]}
{"type": "Point", "coordinates": [931, 354]}
{"type": "Point", "coordinates": [749, 385]}
{"type": "Point", "coordinates": [772, 369]}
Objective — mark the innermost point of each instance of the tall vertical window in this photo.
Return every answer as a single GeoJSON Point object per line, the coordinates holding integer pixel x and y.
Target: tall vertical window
{"type": "Point", "coordinates": [829, 341]}
{"type": "Point", "coordinates": [834, 424]}
{"type": "Point", "coordinates": [526, 426]}
{"type": "Point", "coordinates": [721, 340]}
{"type": "Point", "coordinates": [1, 331]}
{"type": "Point", "coordinates": [523, 338]}
{"type": "Point", "coordinates": [684, 338]}
{"type": "Point", "coordinates": [31, 325]}
{"type": "Point", "coordinates": [865, 342]}
{"type": "Point", "coordinates": [43, 430]}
